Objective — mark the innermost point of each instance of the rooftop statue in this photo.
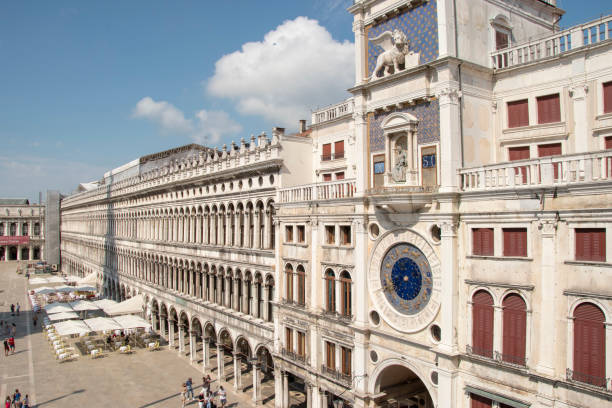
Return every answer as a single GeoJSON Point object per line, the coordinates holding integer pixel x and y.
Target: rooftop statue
{"type": "Point", "coordinates": [396, 51]}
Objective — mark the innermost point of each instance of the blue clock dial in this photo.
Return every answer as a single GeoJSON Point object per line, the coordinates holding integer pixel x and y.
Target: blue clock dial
{"type": "Point", "coordinates": [406, 278]}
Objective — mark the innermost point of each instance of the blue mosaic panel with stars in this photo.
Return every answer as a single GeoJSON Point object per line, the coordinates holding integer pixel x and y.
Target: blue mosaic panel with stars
{"type": "Point", "coordinates": [406, 278]}
{"type": "Point", "coordinates": [420, 26]}
{"type": "Point", "coordinates": [428, 131]}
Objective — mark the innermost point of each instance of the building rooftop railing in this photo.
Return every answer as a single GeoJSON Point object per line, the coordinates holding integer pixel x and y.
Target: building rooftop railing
{"type": "Point", "coordinates": [590, 33]}
{"type": "Point", "coordinates": [333, 112]}
{"type": "Point", "coordinates": [541, 172]}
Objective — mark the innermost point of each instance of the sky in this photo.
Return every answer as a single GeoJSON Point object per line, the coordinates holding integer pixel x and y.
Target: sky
{"type": "Point", "coordinates": [88, 86]}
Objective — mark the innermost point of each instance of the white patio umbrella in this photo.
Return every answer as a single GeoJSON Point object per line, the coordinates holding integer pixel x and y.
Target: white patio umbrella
{"type": "Point", "coordinates": [56, 279]}
{"type": "Point", "coordinates": [132, 305]}
{"type": "Point", "coordinates": [82, 305]}
{"type": "Point", "coordinates": [85, 288]}
{"type": "Point", "coordinates": [131, 321]}
{"type": "Point", "coordinates": [57, 308]}
{"type": "Point", "coordinates": [102, 324]}
{"type": "Point", "coordinates": [63, 316]}
{"type": "Point", "coordinates": [72, 278]}
{"type": "Point", "coordinates": [71, 327]}
{"type": "Point", "coordinates": [45, 290]}
{"type": "Point", "coordinates": [104, 303]}
{"type": "Point", "coordinates": [38, 281]}
{"type": "Point", "coordinates": [64, 289]}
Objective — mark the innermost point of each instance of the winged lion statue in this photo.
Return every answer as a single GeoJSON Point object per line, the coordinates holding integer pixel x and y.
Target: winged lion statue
{"type": "Point", "coordinates": [395, 46]}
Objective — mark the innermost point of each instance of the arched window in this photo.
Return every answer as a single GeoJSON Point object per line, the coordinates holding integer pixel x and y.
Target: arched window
{"type": "Point", "coordinates": [289, 283]}
{"type": "Point", "coordinates": [24, 229]}
{"type": "Point", "coordinates": [482, 324]}
{"type": "Point", "coordinates": [13, 229]}
{"type": "Point", "coordinates": [589, 345]}
{"type": "Point", "coordinates": [301, 277]}
{"type": "Point", "coordinates": [514, 329]}
{"type": "Point", "coordinates": [346, 296]}
{"type": "Point", "coordinates": [1, 229]}
{"type": "Point", "coordinates": [330, 291]}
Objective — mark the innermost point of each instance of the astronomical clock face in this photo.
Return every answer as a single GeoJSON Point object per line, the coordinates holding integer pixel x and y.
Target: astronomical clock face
{"type": "Point", "coordinates": [406, 279]}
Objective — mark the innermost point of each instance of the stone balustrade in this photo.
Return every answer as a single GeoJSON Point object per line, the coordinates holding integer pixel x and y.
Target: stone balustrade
{"type": "Point", "coordinates": [331, 190]}
{"type": "Point", "coordinates": [540, 172]}
{"type": "Point", "coordinates": [590, 33]}
{"type": "Point", "coordinates": [333, 112]}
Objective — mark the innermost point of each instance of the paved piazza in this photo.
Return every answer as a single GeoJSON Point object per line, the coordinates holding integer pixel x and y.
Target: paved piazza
{"type": "Point", "coordinates": [143, 379]}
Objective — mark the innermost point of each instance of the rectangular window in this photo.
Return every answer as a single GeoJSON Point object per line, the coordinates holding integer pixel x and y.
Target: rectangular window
{"type": "Point", "coordinates": [482, 241]}
{"type": "Point", "coordinates": [518, 113]}
{"type": "Point", "coordinates": [301, 344]}
{"type": "Point", "coordinates": [607, 97]}
{"type": "Point", "coordinates": [501, 40]}
{"type": "Point", "coordinates": [326, 152]}
{"type": "Point", "coordinates": [340, 175]}
{"type": "Point", "coordinates": [327, 177]}
{"type": "Point", "coordinates": [591, 244]}
{"type": "Point", "coordinates": [476, 401]}
{"type": "Point", "coordinates": [549, 109]}
{"type": "Point", "coordinates": [551, 149]}
{"type": "Point", "coordinates": [339, 150]}
{"type": "Point", "coordinates": [608, 142]}
{"type": "Point", "coordinates": [289, 233]}
{"type": "Point", "coordinates": [330, 355]}
{"type": "Point", "coordinates": [429, 173]}
{"type": "Point", "coordinates": [378, 168]}
{"type": "Point", "coordinates": [330, 234]}
{"type": "Point", "coordinates": [519, 153]}
{"type": "Point", "coordinates": [515, 241]}
{"type": "Point", "coordinates": [345, 235]}
{"type": "Point", "coordinates": [346, 361]}
{"type": "Point", "coordinates": [301, 233]}
{"type": "Point", "coordinates": [288, 339]}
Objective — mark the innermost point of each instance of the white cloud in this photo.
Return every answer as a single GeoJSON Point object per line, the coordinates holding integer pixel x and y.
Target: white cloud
{"type": "Point", "coordinates": [295, 68]}
{"type": "Point", "coordinates": [205, 127]}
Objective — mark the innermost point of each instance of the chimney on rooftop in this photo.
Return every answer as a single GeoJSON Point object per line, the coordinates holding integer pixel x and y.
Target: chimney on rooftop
{"type": "Point", "coordinates": [302, 125]}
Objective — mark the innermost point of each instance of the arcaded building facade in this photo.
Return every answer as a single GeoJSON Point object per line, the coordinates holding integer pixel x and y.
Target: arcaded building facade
{"type": "Point", "coordinates": [441, 238]}
{"type": "Point", "coordinates": [21, 230]}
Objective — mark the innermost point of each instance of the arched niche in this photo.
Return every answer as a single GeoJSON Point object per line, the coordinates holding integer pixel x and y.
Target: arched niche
{"type": "Point", "coordinates": [400, 130]}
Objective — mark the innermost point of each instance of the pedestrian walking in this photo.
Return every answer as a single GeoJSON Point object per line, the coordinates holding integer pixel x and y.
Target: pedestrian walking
{"type": "Point", "coordinates": [17, 399]}
{"type": "Point", "coordinates": [34, 319]}
{"type": "Point", "coordinates": [189, 384]}
{"type": "Point", "coordinates": [201, 399]}
{"type": "Point", "coordinates": [26, 401]}
{"type": "Point", "coordinates": [183, 395]}
{"type": "Point", "coordinates": [11, 343]}
{"type": "Point", "coordinates": [18, 308]}
{"type": "Point", "coordinates": [7, 402]}
{"type": "Point", "coordinates": [13, 329]}
{"type": "Point", "coordinates": [12, 309]}
{"type": "Point", "coordinates": [222, 396]}
{"type": "Point", "coordinates": [6, 347]}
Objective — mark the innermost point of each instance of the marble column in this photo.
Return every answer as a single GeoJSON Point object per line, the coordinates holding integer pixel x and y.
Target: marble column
{"type": "Point", "coordinates": [256, 232]}
{"type": "Point", "coordinates": [162, 326]}
{"type": "Point", "coordinates": [237, 371]}
{"type": "Point", "coordinates": [237, 228]}
{"type": "Point", "coordinates": [247, 229]}
{"type": "Point", "coordinates": [205, 354]}
{"type": "Point", "coordinates": [220, 363]}
{"type": "Point", "coordinates": [228, 228]}
{"type": "Point", "coordinates": [266, 303]}
{"type": "Point", "coordinates": [192, 346]}
{"type": "Point", "coordinates": [199, 229]}
{"type": "Point", "coordinates": [170, 334]}
{"type": "Point", "coordinates": [256, 382]}
{"type": "Point", "coordinates": [245, 296]}
{"type": "Point", "coordinates": [285, 389]}
{"type": "Point", "coordinates": [267, 226]}
{"type": "Point", "coordinates": [235, 298]}
{"type": "Point", "coordinates": [181, 333]}
{"type": "Point", "coordinates": [308, 395]}
{"type": "Point", "coordinates": [206, 229]}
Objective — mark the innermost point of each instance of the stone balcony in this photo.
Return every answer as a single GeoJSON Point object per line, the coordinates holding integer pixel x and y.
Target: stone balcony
{"type": "Point", "coordinates": [326, 191]}
{"type": "Point", "coordinates": [543, 172]}
{"type": "Point", "coordinates": [333, 112]}
{"type": "Point", "coordinates": [552, 45]}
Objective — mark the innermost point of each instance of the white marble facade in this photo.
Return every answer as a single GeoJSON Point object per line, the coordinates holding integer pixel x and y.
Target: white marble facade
{"type": "Point", "coordinates": [435, 240]}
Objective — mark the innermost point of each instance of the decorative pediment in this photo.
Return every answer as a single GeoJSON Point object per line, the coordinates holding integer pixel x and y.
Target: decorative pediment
{"type": "Point", "coordinates": [399, 121]}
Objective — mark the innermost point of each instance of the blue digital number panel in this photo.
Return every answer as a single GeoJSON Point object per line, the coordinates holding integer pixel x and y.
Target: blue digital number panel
{"type": "Point", "coordinates": [406, 278]}
{"type": "Point", "coordinates": [429, 161]}
{"type": "Point", "coordinates": [379, 168]}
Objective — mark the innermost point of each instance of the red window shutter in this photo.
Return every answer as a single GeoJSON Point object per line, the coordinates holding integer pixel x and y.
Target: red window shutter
{"type": "Point", "coordinates": [476, 241]}
{"type": "Point", "coordinates": [326, 152]}
{"type": "Point", "coordinates": [607, 97]}
{"type": "Point", "coordinates": [518, 113]}
{"type": "Point", "coordinates": [519, 153]}
{"type": "Point", "coordinates": [340, 176]}
{"type": "Point", "coordinates": [514, 329]}
{"type": "Point", "coordinates": [549, 109]}
{"type": "Point", "coordinates": [609, 140]}
{"type": "Point", "coordinates": [515, 241]}
{"type": "Point", "coordinates": [482, 241]}
{"type": "Point", "coordinates": [501, 40]}
{"type": "Point", "coordinates": [591, 244]}
{"type": "Point", "coordinates": [339, 149]}
{"type": "Point", "coordinates": [552, 149]}
{"type": "Point", "coordinates": [482, 324]}
{"type": "Point", "coordinates": [589, 345]}
{"type": "Point", "coordinates": [480, 402]}
{"type": "Point", "coordinates": [327, 177]}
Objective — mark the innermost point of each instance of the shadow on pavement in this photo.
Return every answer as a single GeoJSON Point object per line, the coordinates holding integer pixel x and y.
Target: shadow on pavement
{"type": "Point", "coordinates": [40, 404]}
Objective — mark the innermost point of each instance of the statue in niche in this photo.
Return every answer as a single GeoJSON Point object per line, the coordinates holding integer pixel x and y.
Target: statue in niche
{"type": "Point", "coordinates": [396, 52]}
{"type": "Point", "coordinates": [399, 170]}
